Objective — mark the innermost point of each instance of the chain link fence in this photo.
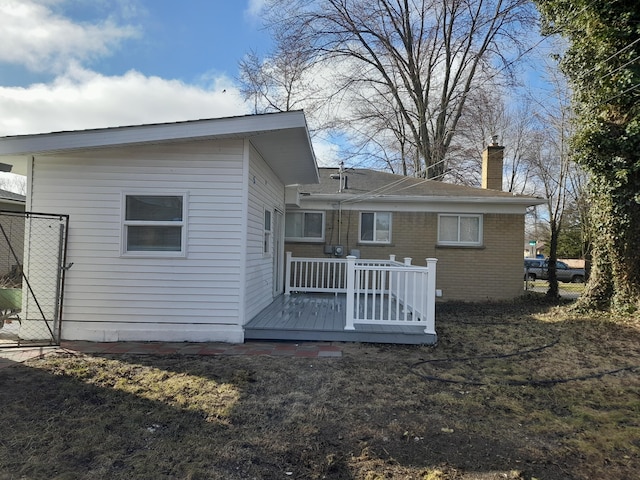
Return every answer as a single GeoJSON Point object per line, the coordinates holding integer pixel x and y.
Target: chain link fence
{"type": "Point", "coordinates": [32, 266]}
{"type": "Point", "coordinates": [570, 291]}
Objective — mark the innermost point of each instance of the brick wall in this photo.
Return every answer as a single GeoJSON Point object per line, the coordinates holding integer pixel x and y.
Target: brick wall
{"type": "Point", "coordinates": [490, 272]}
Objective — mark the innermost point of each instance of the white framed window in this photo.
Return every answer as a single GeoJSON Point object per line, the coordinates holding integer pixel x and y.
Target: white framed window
{"type": "Point", "coordinates": [375, 227]}
{"type": "Point", "coordinates": [268, 232]}
{"type": "Point", "coordinates": [304, 226]}
{"type": "Point", "coordinates": [462, 230]}
{"type": "Point", "coordinates": [154, 224]}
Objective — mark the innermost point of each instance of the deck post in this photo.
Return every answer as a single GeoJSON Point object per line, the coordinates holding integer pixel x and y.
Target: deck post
{"type": "Point", "coordinates": [287, 275]}
{"type": "Point", "coordinates": [392, 258]}
{"type": "Point", "coordinates": [407, 261]}
{"type": "Point", "coordinates": [351, 282]}
{"type": "Point", "coordinates": [431, 296]}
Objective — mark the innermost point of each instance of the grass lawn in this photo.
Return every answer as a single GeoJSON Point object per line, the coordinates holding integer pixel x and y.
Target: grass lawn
{"type": "Point", "coordinates": [517, 390]}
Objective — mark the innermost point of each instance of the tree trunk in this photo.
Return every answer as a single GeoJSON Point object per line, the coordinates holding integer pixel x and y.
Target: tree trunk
{"type": "Point", "coordinates": [553, 291]}
{"type": "Point", "coordinates": [625, 261]}
{"type": "Point", "coordinates": [614, 283]}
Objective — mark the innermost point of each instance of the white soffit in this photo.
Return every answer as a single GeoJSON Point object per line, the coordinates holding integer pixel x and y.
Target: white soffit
{"type": "Point", "coordinates": [397, 203]}
{"type": "Point", "coordinates": [289, 154]}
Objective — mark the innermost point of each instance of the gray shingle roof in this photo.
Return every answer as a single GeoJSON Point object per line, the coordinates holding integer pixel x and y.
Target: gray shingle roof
{"type": "Point", "coordinates": [7, 195]}
{"type": "Point", "coordinates": [365, 181]}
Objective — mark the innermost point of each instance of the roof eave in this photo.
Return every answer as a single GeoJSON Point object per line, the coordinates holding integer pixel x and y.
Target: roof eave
{"type": "Point", "coordinates": [281, 138]}
{"type": "Point", "coordinates": [12, 201]}
{"type": "Point", "coordinates": [515, 200]}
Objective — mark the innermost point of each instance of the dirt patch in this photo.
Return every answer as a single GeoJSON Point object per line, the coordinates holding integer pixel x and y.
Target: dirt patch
{"type": "Point", "coordinates": [517, 390]}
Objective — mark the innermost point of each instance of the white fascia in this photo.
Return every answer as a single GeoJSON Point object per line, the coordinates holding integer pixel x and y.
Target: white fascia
{"type": "Point", "coordinates": [508, 205]}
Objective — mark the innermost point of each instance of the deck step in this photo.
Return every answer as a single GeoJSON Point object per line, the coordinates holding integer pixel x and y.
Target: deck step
{"type": "Point", "coordinates": [340, 336]}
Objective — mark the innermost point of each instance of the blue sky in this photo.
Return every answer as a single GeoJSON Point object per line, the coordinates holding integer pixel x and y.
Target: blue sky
{"type": "Point", "coordinates": [75, 64]}
{"type": "Point", "coordinates": [78, 64]}
{"type": "Point", "coordinates": [183, 40]}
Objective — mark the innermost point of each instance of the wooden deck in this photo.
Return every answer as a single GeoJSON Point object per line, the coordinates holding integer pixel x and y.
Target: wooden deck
{"type": "Point", "coordinates": [321, 317]}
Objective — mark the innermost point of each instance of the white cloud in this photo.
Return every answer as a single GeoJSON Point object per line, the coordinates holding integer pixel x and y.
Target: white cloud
{"type": "Point", "coordinates": [254, 9]}
{"type": "Point", "coordinates": [83, 99]}
{"type": "Point", "coordinates": [79, 98]}
{"type": "Point", "coordinates": [327, 153]}
{"type": "Point", "coordinates": [34, 36]}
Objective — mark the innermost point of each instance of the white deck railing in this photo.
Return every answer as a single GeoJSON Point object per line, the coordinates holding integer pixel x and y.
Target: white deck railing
{"type": "Point", "coordinates": [379, 292]}
{"type": "Point", "coordinates": [326, 275]}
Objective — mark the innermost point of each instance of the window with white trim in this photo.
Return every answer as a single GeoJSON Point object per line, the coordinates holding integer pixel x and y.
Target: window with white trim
{"type": "Point", "coordinates": [462, 230]}
{"type": "Point", "coordinates": [375, 227]}
{"type": "Point", "coordinates": [304, 226]}
{"type": "Point", "coordinates": [267, 232]}
{"type": "Point", "coordinates": [154, 225]}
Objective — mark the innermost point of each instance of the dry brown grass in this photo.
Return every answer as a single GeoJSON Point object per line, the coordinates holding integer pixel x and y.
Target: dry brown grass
{"type": "Point", "coordinates": [511, 391]}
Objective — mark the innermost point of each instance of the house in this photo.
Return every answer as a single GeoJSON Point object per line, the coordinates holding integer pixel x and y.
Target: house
{"type": "Point", "coordinates": [175, 231]}
{"type": "Point", "coordinates": [12, 232]}
{"type": "Point", "coordinates": [11, 201]}
{"type": "Point", "coordinates": [475, 233]}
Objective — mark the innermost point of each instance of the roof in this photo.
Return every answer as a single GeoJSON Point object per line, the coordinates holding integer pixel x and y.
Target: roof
{"type": "Point", "coordinates": [281, 138]}
{"type": "Point", "coordinates": [373, 184]}
{"type": "Point", "coordinates": [12, 197]}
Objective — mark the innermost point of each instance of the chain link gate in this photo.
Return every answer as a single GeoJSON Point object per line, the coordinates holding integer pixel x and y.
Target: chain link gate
{"type": "Point", "coordinates": [32, 267]}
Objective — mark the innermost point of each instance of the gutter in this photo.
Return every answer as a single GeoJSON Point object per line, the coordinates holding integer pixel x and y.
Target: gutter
{"type": "Point", "coordinates": [351, 199]}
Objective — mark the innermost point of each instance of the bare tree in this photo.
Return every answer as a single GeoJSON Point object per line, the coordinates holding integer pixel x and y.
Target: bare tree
{"type": "Point", "coordinates": [581, 208]}
{"type": "Point", "coordinates": [487, 114]}
{"type": "Point", "coordinates": [553, 165]}
{"type": "Point", "coordinates": [278, 84]}
{"type": "Point", "coordinates": [419, 58]}
{"type": "Point", "coordinates": [380, 136]}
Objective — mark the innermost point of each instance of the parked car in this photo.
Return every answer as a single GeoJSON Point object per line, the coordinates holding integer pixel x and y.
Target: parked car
{"type": "Point", "coordinates": [538, 269]}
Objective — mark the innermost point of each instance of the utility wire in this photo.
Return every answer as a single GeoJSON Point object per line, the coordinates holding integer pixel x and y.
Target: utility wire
{"type": "Point", "coordinates": [615, 54]}
{"type": "Point", "coordinates": [630, 89]}
{"type": "Point", "coordinates": [620, 67]}
{"type": "Point", "coordinates": [389, 188]}
{"type": "Point", "coordinates": [532, 382]}
{"type": "Point", "coordinates": [376, 192]}
{"type": "Point", "coordinates": [486, 357]}
{"type": "Point", "coordinates": [529, 382]}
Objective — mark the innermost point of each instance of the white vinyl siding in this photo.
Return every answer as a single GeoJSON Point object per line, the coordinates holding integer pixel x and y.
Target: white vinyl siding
{"type": "Point", "coordinates": [461, 230]}
{"type": "Point", "coordinates": [124, 298]}
{"type": "Point", "coordinates": [266, 193]}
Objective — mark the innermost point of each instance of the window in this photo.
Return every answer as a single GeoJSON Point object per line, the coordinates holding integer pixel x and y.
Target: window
{"type": "Point", "coordinates": [267, 232]}
{"type": "Point", "coordinates": [375, 227]}
{"type": "Point", "coordinates": [463, 230]}
{"type": "Point", "coordinates": [304, 226]}
{"type": "Point", "coordinates": [154, 225]}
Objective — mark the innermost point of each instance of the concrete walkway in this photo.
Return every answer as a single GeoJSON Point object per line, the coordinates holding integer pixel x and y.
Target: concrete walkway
{"type": "Point", "coordinates": [12, 356]}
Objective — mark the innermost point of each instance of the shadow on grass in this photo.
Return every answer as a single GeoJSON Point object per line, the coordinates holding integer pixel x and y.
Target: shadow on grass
{"type": "Point", "coordinates": [369, 415]}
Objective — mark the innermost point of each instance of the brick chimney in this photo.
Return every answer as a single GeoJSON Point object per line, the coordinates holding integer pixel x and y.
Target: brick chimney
{"type": "Point", "coordinates": [492, 159]}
